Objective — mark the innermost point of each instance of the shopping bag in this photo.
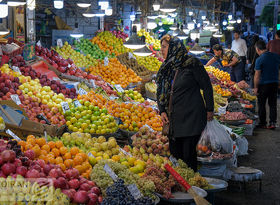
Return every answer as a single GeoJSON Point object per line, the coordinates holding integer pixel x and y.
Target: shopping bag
{"type": "Point", "coordinates": [214, 138]}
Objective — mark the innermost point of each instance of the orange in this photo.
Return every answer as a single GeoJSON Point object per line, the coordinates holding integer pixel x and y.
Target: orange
{"type": "Point", "coordinates": [58, 160]}
{"type": "Point", "coordinates": [78, 160]}
{"type": "Point", "coordinates": [79, 168]}
{"type": "Point", "coordinates": [68, 163]}
{"type": "Point", "coordinates": [83, 155]}
{"type": "Point", "coordinates": [41, 141]}
{"type": "Point", "coordinates": [30, 137]}
{"type": "Point", "coordinates": [36, 150]}
{"type": "Point", "coordinates": [74, 150]}
{"type": "Point", "coordinates": [22, 143]}
{"type": "Point", "coordinates": [62, 166]}
{"type": "Point", "coordinates": [63, 150]}
{"type": "Point", "coordinates": [58, 144]}
{"type": "Point", "coordinates": [56, 152]}
{"type": "Point", "coordinates": [51, 144]}
{"type": "Point", "coordinates": [44, 152]}
{"type": "Point", "coordinates": [46, 147]}
{"type": "Point", "coordinates": [85, 175]}
{"type": "Point", "coordinates": [51, 160]}
{"type": "Point", "coordinates": [31, 141]}
{"type": "Point", "coordinates": [67, 156]}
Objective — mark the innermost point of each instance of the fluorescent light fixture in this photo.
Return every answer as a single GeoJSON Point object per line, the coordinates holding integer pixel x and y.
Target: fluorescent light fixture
{"type": "Point", "coordinates": [109, 11]}
{"type": "Point", "coordinates": [194, 34]}
{"type": "Point", "coordinates": [76, 35]}
{"type": "Point", "coordinates": [173, 27]}
{"type": "Point", "coordinates": [3, 10]}
{"type": "Point", "coordinates": [104, 4]}
{"type": "Point", "coordinates": [151, 24]}
{"type": "Point", "coordinates": [153, 16]}
{"type": "Point", "coordinates": [143, 51]}
{"type": "Point", "coordinates": [161, 30]}
{"type": "Point", "coordinates": [191, 25]}
{"type": "Point", "coordinates": [167, 8]}
{"type": "Point", "coordinates": [83, 4]}
{"type": "Point", "coordinates": [199, 24]}
{"type": "Point", "coordinates": [185, 29]}
{"type": "Point", "coordinates": [196, 49]}
{"type": "Point", "coordinates": [190, 13]}
{"type": "Point", "coordinates": [139, 10]}
{"type": "Point", "coordinates": [175, 32]}
{"type": "Point", "coordinates": [3, 30]}
{"type": "Point", "coordinates": [216, 24]}
{"type": "Point", "coordinates": [225, 22]}
{"type": "Point", "coordinates": [239, 20]}
{"type": "Point", "coordinates": [16, 2]}
{"type": "Point", "coordinates": [232, 21]}
{"type": "Point", "coordinates": [218, 34]}
{"type": "Point", "coordinates": [229, 16]}
{"type": "Point", "coordinates": [209, 27]}
{"type": "Point", "coordinates": [88, 13]}
{"type": "Point", "coordinates": [214, 29]}
{"type": "Point", "coordinates": [156, 5]}
{"type": "Point", "coordinates": [132, 17]}
{"type": "Point", "coordinates": [230, 27]}
{"type": "Point", "coordinates": [162, 16]}
{"type": "Point", "coordinates": [206, 21]}
{"type": "Point", "coordinates": [203, 17]}
{"type": "Point", "coordinates": [31, 4]}
{"type": "Point", "coordinates": [58, 4]}
{"type": "Point", "coordinates": [160, 23]}
{"type": "Point", "coordinates": [134, 42]}
{"type": "Point", "coordinates": [182, 35]}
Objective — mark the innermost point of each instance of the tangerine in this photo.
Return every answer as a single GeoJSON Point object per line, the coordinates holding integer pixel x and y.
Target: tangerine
{"type": "Point", "coordinates": [78, 160]}
{"type": "Point", "coordinates": [63, 150]}
{"type": "Point", "coordinates": [46, 147]}
{"type": "Point", "coordinates": [58, 144]}
{"type": "Point", "coordinates": [74, 150]}
{"type": "Point", "coordinates": [56, 152]}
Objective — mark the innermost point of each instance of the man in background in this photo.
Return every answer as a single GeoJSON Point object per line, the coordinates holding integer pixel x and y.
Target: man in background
{"type": "Point", "coordinates": [266, 84]}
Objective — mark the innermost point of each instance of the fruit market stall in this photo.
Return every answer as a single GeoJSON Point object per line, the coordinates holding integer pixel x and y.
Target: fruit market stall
{"type": "Point", "coordinates": [80, 125]}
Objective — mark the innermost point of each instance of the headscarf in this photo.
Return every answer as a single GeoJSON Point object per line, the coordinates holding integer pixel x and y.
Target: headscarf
{"type": "Point", "coordinates": [176, 57]}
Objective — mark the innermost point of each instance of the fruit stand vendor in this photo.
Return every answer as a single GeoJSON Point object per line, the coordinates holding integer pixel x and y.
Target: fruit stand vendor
{"type": "Point", "coordinates": [183, 76]}
{"type": "Point", "coordinates": [229, 59]}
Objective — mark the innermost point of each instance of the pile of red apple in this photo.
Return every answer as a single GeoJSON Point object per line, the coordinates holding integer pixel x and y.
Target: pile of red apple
{"type": "Point", "coordinates": [8, 86]}
{"type": "Point", "coordinates": [77, 188]}
{"type": "Point", "coordinates": [120, 34]}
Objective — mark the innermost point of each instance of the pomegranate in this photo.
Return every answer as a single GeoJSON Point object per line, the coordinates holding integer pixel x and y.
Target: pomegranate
{"type": "Point", "coordinates": [47, 168]}
{"type": "Point", "coordinates": [8, 155]}
{"type": "Point", "coordinates": [8, 169]}
{"type": "Point", "coordinates": [30, 154]}
{"type": "Point", "coordinates": [72, 173]}
{"type": "Point", "coordinates": [81, 197]}
{"type": "Point", "coordinates": [33, 173]}
{"type": "Point", "coordinates": [21, 170]}
{"type": "Point", "coordinates": [74, 183]}
{"type": "Point", "coordinates": [93, 198]}
{"type": "Point", "coordinates": [95, 190]}
{"type": "Point", "coordinates": [17, 163]}
{"type": "Point", "coordinates": [85, 187]}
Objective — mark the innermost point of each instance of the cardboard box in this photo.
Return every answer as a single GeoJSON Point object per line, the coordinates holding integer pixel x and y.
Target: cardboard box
{"type": "Point", "coordinates": [28, 127]}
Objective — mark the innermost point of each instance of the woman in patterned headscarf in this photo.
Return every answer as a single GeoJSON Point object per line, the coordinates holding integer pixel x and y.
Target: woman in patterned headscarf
{"type": "Point", "coordinates": [188, 112]}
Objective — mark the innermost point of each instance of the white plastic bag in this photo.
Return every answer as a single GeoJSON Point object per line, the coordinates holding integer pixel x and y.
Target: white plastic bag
{"type": "Point", "coordinates": [214, 138]}
{"type": "Point", "coordinates": [242, 145]}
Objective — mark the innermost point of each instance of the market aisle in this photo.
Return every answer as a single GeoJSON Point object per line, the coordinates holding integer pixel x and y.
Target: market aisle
{"type": "Point", "coordinates": [264, 154]}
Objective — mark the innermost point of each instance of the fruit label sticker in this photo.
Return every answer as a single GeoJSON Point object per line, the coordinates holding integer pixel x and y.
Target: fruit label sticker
{"type": "Point", "coordinates": [119, 88]}
{"type": "Point", "coordinates": [77, 103]}
{"type": "Point", "coordinates": [125, 152]}
{"type": "Point", "coordinates": [130, 55]}
{"type": "Point", "coordinates": [16, 69]}
{"type": "Point", "coordinates": [13, 135]}
{"type": "Point", "coordinates": [111, 173]}
{"type": "Point", "coordinates": [93, 84]}
{"type": "Point", "coordinates": [59, 42]}
{"type": "Point", "coordinates": [133, 189]}
{"type": "Point", "coordinates": [106, 61]}
{"type": "Point", "coordinates": [65, 106]}
{"type": "Point", "coordinates": [16, 99]}
{"type": "Point", "coordinates": [81, 91]}
{"type": "Point", "coordinates": [174, 161]}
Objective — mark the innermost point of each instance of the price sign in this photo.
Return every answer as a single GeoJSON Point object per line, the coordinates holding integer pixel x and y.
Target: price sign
{"type": "Point", "coordinates": [77, 103]}
{"type": "Point", "coordinates": [125, 152]}
{"type": "Point", "coordinates": [91, 155]}
{"type": "Point", "coordinates": [119, 88]}
{"type": "Point", "coordinates": [135, 192]}
{"type": "Point", "coordinates": [65, 106]}
{"type": "Point", "coordinates": [81, 91]}
{"type": "Point", "coordinates": [111, 173]}
{"type": "Point", "coordinates": [93, 84]}
{"type": "Point", "coordinates": [59, 42]}
{"type": "Point", "coordinates": [13, 135]}
{"type": "Point", "coordinates": [16, 99]}
{"type": "Point", "coordinates": [16, 69]}
{"type": "Point", "coordinates": [222, 110]}
{"type": "Point", "coordinates": [130, 55]}
{"type": "Point", "coordinates": [174, 161]}
{"type": "Point", "coordinates": [106, 61]}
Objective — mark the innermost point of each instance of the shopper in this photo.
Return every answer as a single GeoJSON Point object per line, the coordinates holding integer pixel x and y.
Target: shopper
{"type": "Point", "coordinates": [274, 45]}
{"type": "Point", "coordinates": [251, 58]}
{"type": "Point", "coordinates": [237, 72]}
{"type": "Point", "coordinates": [266, 83]}
{"type": "Point", "coordinates": [213, 41]}
{"type": "Point", "coordinates": [239, 46]}
{"type": "Point", "coordinates": [181, 77]}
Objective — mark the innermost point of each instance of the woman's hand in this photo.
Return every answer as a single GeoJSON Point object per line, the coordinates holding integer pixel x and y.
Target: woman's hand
{"type": "Point", "coordinates": [210, 116]}
{"type": "Point", "coordinates": [164, 118]}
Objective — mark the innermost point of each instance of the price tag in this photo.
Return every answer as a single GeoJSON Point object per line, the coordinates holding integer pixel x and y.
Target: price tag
{"type": "Point", "coordinates": [174, 161]}
{"type": "Point", "coordinates": [222, 110]}
{"type": "Point", "coordinates": [65, 106]}
{"type": "Point", "coordinates": [13, 135]}
{"type": "Point", "coordinates": [93, 84]}
{"type": "Point", "coordinates": [130, 55]}
{"type": "Point", "coordinates": [59, 42]}
{"type": "Point", "coordinates": [151, 129]}
{"type": "Point", "coordinates": [119, 88]}
{"type": "Point", "coordinates": [91, 155]}
{"type": "Point", "coordinates": [77, 103]}
{"type": "Point", "coordinates": [111, 173]}
{"type": "Point", "coordinates": [125, 152]}
{"type": "Point", "coordinates": [16, 69]}
{"type": "Point", "coordinates": [39, 43]}
{"type": "Point", "coordinates": [106, 61]}
{"type": "Point", "coordinates": [135, 192]}
{"type": "Point", "coordinates": [16, 99]}
{"type": "Point", "coordinates": [81, 91]}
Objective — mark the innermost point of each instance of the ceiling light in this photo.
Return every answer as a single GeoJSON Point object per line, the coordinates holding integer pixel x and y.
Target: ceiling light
{"type": "Point", "coordinates": [162, 16]}
{"type": "Point", "coordinates": [225, 22]}
{"type": "Point", "coordinates": [209, 27]}
{"type": "Point", "coordinates": [216, 24]}
{"type": "Point", "coordinates": [138, 10]}
{"type": "Point", "coordinates": [83, 4]}
{"type": "Point", "coordinates": [175, 32]}
{"type": "Point", "coordinates": [173, 27]}
{"type": "Point", "coordinates": [143, 51]}
{"type": "Point", "coordinates": [239, 20]}
{"type": "Point", "coordinates": [196, 49]}
{"type": "Point", "coordinates": [104, 4]}
{"type": "Point", "coordinates": [229, 16]}
{"type": "Point", "coordinates": [185, 29]}
{"type": "Point", "coordinates": [173, 15]}
{"type": "Point", "coordinates": [232, 21]}
{"type": "Point", "coordinates": [16, 2]}
{"type": "Point", "coordinates": [182, 35]}
{"type": "Point", "coordinates": [218, 34]}
{"type": "Point", "coordinates": [230, 27]}
{"type": "Point", "coordinates": [132, 17]}
{"type": "Point", "coordinates": [191, 25]}
{"type": "Point", "coordinates": [109, 11]}
{"type": "Point", "coordinates": [167, 8]}
{"type": "Point", "coordinates": [31, 4]}
{"type": "Point", "coordinates": [199, 24]}
{"type": "Point", "coordinates": [160, 23]}
{"type": "Point", "coordinates": [203, 17]}
{"type": "Point", "coordinates": [3, 10]}
{"type": "Point", "coordinates": [194, 34]}
{"type": "Point", "coordinates": [153, 16]}
{"type": "Point", "coordinates": [161, 30]}
{"type": "Point", "coordinates": [99, 14]}
{"type": "Point", "coordinates": [134, 42]}
{"type": "Point", "coordinates": [156, 5]}
{"type": "Point", "coordinates": [3, 30]}
{"type": "Point", "coordinates": [151, 24]}
{"type": "Point", "coordinates": [206, 21]}
{"type": "Point", "coordinates": [190, 13]}
{"type": "Point", "coordinates": [214, 29]}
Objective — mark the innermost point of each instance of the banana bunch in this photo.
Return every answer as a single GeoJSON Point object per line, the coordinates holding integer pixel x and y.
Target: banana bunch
{"type": "Point", "coordinates": [151, 87]}
{"type": "Point", "coordinates": [19, 191]}
{"type": "Point", "coordinates": [219, 99]}
{"type": "Point", "coordinates": [249, 97]}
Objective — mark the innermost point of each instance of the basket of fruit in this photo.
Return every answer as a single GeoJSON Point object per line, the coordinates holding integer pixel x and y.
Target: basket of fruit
{"type": "Point", "coordinates": [12, 48]}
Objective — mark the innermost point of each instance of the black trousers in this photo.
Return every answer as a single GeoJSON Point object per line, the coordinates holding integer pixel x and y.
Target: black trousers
{"type": "Point", "coordinates": [267, 92]}
{"type": "Point", "coordinates": [185, 148]}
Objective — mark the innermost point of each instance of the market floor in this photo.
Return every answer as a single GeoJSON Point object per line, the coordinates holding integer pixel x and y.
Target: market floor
{"type": "Point", "coordinates": [264, 154]}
